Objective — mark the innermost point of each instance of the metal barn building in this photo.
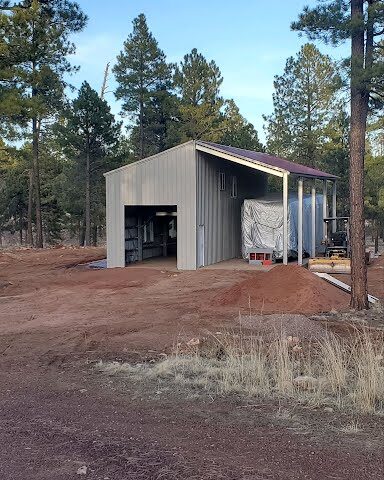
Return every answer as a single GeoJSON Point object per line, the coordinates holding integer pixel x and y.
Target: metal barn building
{"type": "Point", "coordinates": [187, 201]}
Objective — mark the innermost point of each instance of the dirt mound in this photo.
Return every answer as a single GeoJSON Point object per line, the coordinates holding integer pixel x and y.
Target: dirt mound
{"type": "Point", "coordinates": [285, 288]}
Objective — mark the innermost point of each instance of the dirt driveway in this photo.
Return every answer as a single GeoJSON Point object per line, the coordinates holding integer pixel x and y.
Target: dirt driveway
{"type": "Point", "coordinates": [58, 414]}
{"type": "Point", "coordinates": [51, 306]}
{"type": "Point", "coordinates": [56, 420]}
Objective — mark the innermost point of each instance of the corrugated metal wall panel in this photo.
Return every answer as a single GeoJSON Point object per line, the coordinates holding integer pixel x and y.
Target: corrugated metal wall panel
{"type": "Point", "coordinates": [217, 211]}
{"type": "Point", "coordinates": [115, 223]}
{"type": "Point", "coordinates": [168, 178]}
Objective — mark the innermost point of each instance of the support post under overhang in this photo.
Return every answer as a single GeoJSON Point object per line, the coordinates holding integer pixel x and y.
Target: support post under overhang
{"type": "Point", "coordinates": [285, 219]}
{"type": "Point", "coordinates": [334, 206]}
{"type": "Point", "coordinates": [325, 208]}
{"type": "Point", "coordinates": [313, 218]}
{"type": "Point", "coordinates": [300, 221]}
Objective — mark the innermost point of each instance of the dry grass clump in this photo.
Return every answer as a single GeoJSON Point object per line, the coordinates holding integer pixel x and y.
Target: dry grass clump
{"type": "Point", "coordinates": [353, 427]}
{"type": "Point", "coordinates": [347, 373]}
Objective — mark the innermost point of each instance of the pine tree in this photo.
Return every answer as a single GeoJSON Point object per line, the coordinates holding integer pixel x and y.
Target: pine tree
{"type": "Point", "coordinates": [159, 124]}
{"type": "Point", "coordinates": [89, 136]}
{"type": "Point", "coordinates": [335, 156]}
{"type": "Point", "coordinates": [374, 176]}
{"type": "Point", "coordinates": [197, 83]}
{"type": "Point", "coordinates": [13, 189]}
{"type": "Point", "coordinates": [237, 131]}
{"type": "Point", "coordinates": [142, 74]}
{"type": "Point", "coordinates": [361, 21]}
{"type": "Point", "coordinates": [35, 41]}
{"type": "Point", "coordinates": [305, 99]}
{"type": "Point", "coordinates": [374, 193]}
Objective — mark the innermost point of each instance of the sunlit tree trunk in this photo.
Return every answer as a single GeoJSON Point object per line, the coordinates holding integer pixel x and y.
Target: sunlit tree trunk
{"type": "Point", "coordinates": [359, 111]}
{"type": "Point", "coordinates": [29, 239]}
{"type": "Point", "coordinates": [36, 181]}
{"type": "Point", "coordinates": [87, 239]}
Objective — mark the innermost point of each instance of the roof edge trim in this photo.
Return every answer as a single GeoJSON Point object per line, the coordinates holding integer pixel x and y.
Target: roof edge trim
{"type": "Point", "coordinates": [272, 169]}
{"type": "Point", "coordinates": [278, 172]}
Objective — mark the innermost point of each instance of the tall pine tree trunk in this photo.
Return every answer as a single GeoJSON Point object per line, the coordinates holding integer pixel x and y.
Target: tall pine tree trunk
{"type": "Point", "coordinates": [309, 150]}
{"type": "Point", "coordinates": [82, 233]}
{"type": "Point", "coordinates": [35, 149]}
{"type": "Point", "coordinates": [79, 230]}
{"type": "Point", "coordinates": [359, 103]}
{"type": "Point", "coordinates": [141, 129]}
{"type": "Point", "coordinates": [29, 239]}
{"type": "Point", "coordinates": [36, 181]}
{"type": "Point", "coordinates": [21, 225]}
{"type": "Point", "coordinates": [87, 239]}
{"type": "Point", "coordinates": [94, 235]}
{"type": "Point", "coordinates": [82, 237]}
{"type": "Point", "coordinates": [141, 106]}
{"type": "Point", "coordinates": [377, 232]}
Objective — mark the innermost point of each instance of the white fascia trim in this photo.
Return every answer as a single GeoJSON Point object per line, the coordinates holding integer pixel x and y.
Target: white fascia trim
{"type": "Point", "coordinates": [243, 161]}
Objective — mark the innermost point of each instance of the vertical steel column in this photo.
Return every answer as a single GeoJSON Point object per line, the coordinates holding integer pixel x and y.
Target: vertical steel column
{"type": "Point", "coordinates": [325, 208]}
{"type": "Point", "coordinates": [334, 206]}
{"type": "Point", "coordinates": [313, 215]}
{"type": "Point", "coordinates": [285, 218]}
{"type": "Point", "coordinates": [300, 222]}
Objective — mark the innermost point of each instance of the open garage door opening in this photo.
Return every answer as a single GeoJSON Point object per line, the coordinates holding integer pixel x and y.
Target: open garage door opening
{"type": "Point", "coordinates": [150, 232]}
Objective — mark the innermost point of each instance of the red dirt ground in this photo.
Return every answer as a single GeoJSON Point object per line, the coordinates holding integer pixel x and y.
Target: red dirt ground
{"type": "Point", "coordinates": [375, 277]}
{"type": "Point", "coordinates": [44, 295]}
{"type": "Point", "coordinates": [57, 415]}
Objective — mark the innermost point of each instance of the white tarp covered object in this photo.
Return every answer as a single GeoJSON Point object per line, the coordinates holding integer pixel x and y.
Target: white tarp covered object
{"type": "Point", "coordinates": [262, 224]}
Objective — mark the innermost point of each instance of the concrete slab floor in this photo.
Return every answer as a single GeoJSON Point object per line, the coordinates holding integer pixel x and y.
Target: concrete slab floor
{"type": "Point", "coordinates": [235, 264]}
{"type": "Point", "coordinates": [158, 263]}
{"type": "Point", "coordinates": [238, 264]}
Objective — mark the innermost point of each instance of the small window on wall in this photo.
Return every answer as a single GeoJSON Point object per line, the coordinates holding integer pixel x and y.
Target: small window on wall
{"type": "Point", "coordinates": [222, 181]}
{"type": "Point", "coordinates": [234, 187]}
{"type": "Point", "coordinates": [148, 236]}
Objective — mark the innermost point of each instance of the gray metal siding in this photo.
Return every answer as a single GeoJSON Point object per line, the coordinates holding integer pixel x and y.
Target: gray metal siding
{"type": "Point", "coordinates": [115, 222]}
{"type": "Point", "coordinates": [217, 211]}
{"type": "Point", "coordinates": [168, 178]}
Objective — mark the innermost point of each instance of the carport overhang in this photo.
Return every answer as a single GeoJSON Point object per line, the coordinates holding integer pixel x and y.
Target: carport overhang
{"type": "Point", "coordinates": [242, 161]}
{"type": "Point", "coordinates": [282, 168]}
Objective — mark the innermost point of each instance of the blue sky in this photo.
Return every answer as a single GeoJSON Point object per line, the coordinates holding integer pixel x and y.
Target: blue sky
{"type": "Point", "coordinates": [250, 41]}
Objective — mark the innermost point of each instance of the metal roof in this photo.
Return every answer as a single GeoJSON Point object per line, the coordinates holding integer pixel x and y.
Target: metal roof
{"type": "Point", "coordinates": [258, 158]}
